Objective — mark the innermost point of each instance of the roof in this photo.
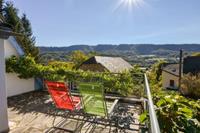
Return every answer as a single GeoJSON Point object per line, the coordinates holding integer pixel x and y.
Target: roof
{"type": "Point", "coordinates": [16, 45]}
{"type": "Point", "coordinates": [172, 69]}
{"type": "Point", "coordinates": [5, 31]}
{"type": "Point", "coordinates": [112, 64]}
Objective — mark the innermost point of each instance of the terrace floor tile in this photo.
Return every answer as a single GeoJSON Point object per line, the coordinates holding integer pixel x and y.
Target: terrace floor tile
{"type": "Point", "coordinates": [33, 113]}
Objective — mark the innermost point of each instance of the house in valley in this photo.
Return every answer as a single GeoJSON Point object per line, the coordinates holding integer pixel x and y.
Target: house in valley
{"type": "Point", "coordinates": [170, 72]}
{"type": "Point", "coordinates": [15, 85]}
{"type": "Point", "coordinates": [105, 64]}
{"type": "Point", "coordinates": [170, 76]}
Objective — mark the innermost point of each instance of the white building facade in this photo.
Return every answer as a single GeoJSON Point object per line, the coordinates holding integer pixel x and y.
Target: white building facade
{"type": "Point", "coordinates": [15, 85]}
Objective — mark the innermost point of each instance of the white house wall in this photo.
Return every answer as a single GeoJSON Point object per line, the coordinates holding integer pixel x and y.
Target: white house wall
{"type": "Point", "coordinates": [3, 99]}
{"type": "Point", "coordinates": [166, 77]}
{"type": "Point", "coordinates": [15, 85]}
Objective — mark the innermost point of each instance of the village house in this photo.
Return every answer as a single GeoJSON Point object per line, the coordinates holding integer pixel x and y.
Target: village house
{"type": "Point", "coordinates": [170, 72]}
{"type": "Point", "coordinates": [105, 64]}
{"type": "Point", "coordinates": [170, 76]}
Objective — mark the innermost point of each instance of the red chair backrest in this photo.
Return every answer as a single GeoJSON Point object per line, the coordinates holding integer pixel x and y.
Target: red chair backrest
{"type": "Point", "coordinates": [60, 95]}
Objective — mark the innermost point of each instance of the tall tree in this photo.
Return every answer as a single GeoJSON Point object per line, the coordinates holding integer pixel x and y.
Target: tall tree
{"type": "Point", "coordinates": [29, 39]}
{"type": "Point", "coordinates": [12, 18]}
{"type": "Point", "coordinates": [27, 26]}
{"type": "Point", "coordinates": [21, 25]}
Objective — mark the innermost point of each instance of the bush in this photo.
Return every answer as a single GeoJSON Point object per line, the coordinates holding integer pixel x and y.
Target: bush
{"type": "Point", "coordinates": [24, 66]}
{"type": "Point", "coordinates": [126, 83]}
{"type": "Point", "coordinates": [176, 113]}
{"type": "Point", "coordinates": [190, 85]}
{"type": "Point", "coordinates": [67, 65]}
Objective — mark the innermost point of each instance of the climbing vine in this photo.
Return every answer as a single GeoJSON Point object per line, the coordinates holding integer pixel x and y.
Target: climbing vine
{"type": "Point", "coordinates": [126, 83]}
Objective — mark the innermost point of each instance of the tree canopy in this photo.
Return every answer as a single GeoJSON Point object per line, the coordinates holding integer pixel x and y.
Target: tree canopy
{"type": "Point", "coordinates": [20, 24]}
{"type": "Point", "coordinates": [78, 57]}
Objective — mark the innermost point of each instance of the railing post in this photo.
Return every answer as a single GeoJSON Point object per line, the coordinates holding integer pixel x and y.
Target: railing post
{"type": "Point", "coordinates": [153, 119]}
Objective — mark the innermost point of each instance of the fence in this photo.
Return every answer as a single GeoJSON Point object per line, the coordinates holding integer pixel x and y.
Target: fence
{"type": "Point", "coordinates": [154, 126]}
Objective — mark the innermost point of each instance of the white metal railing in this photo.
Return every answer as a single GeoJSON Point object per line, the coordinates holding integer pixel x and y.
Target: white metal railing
{"type": "Point", "coordinates": [153, 119]}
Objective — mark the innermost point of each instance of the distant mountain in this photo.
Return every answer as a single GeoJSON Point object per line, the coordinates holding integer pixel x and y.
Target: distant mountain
{"type": "Point", "coordinates": [139, 49]}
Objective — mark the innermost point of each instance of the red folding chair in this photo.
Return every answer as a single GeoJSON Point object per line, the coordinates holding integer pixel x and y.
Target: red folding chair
{"type": "Point", "coordinates": [62, 98]}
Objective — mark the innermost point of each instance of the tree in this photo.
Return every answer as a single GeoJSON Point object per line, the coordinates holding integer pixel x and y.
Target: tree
{"type": "Point", "coordinates": [78, 57]}
{"type": "Point", "coordinates": [28, 41]}
{"type": "Point", "coordinates": [21, 25]}
{"type": "Point", "coordinates": [11, 17]}
{"type": "Point", "coordinates": [157, 69]}
{"type": "Point", "coordinates": [155, 76]}
{"type": "Point", "coordinates": [27, 26]}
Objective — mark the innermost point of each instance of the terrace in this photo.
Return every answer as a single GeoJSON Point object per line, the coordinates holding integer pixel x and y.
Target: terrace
{"type": "Point", "coordinates": [34, 112]}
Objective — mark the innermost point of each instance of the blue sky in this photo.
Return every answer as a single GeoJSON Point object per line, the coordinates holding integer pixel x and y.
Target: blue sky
{"type": "Point", "coordinates": [71, 22]}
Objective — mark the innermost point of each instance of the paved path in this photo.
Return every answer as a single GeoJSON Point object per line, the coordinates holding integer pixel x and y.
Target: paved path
{"type": "Point", "coordinates": [33, 113]}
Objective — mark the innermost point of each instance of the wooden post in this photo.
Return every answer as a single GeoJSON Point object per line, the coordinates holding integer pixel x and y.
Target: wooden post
{"type": "Point", "coordinates": [180, 68]}
{"type": "Point", "coordinates": [3, 96]}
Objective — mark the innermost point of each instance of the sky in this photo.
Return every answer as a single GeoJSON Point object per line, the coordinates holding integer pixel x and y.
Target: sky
{"type": "Point", "coordinates": [92, 22]}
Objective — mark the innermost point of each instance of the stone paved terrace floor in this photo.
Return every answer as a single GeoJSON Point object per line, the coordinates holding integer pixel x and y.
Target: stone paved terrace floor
{"type": "Point", "coordinates": [33, 113]}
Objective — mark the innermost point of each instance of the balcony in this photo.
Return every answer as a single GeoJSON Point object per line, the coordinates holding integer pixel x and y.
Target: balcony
{"type": "Point", "coordinates": [34, 112]}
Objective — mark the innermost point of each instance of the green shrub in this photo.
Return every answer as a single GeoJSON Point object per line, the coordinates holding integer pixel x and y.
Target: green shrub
{"type": "Point", "coordinates": [190, 85]}
{"type": "Point", "coordinates": [24, 66]}
{"type": "Point", "coordinates": [176, 113]}
{"type": "Point", "coordinates": [67, 65]}
{"type": "Point", "coordinates": [126, 83]}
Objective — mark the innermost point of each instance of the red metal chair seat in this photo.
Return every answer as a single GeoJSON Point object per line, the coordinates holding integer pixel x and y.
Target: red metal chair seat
{"type": "Point", "coordinates": [61, 96]}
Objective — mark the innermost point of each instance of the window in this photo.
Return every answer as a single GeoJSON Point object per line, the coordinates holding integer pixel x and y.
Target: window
{"type": "Point", "coordinates": [171, 83]}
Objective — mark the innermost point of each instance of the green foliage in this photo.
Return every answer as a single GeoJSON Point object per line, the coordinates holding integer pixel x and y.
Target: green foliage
{"type": "Point", "coordinates": [27, 41]}
{"type": "Point", "coordinates": [143, 117]}
{"type": "Point", "coordinates": [10, 64]}
{"type": "Point", "coordinates": [53, 56]}
{"type": "Point", "coordinates": [21, 25]}
{"type": "Point", "coordinates": [47, 56]}
{"type": "Point", "coordinates": [25, 66]}
{"type": "Point", "coordinates": [176, 113]}
{"type": "Point", "coordinates": [157, 70]}
{"type": "Point", "coordinates": [125, 83]}
{"type": "Point", "coordinates": [190, 85]}
{"type": "Point", "coordinates": [67, 65]}
{"type": "Point", "coordinates": [155, 77]}
{"type": "Point", "coordinates": [78, 57]}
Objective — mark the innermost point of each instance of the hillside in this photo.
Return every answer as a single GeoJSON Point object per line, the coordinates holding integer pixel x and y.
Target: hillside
{"type": "Point", "coordinates": [143, 54]}
{"type": "Point", "coordinates": [144, 49]}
